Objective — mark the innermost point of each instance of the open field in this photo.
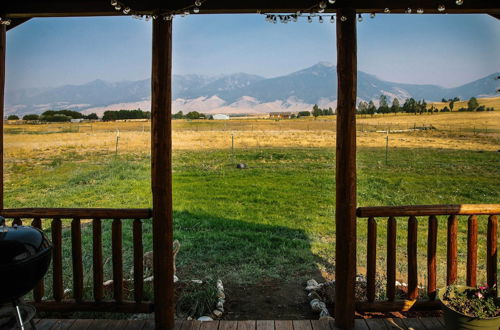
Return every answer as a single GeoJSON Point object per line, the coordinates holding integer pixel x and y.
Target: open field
{"type": "Point", "coordinates": [274, 221]}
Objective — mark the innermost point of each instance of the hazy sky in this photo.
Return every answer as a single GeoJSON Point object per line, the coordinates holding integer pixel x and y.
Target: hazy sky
{"type": "Point", "coordinates": [447, 50]}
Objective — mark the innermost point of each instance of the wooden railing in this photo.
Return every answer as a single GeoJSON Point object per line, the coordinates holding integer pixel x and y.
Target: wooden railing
{"type": "Point", "coordinates": [97, 216]}
{"type": "Point", "coordinates": [430, 211]}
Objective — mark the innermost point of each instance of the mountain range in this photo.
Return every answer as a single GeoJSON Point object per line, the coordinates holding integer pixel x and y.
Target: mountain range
{"type": "Point", "coordinates": [234, 93]}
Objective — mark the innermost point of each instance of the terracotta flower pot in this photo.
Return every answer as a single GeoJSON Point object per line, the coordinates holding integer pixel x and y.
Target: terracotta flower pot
{"type": "Point", "coordinates": [455, 320]}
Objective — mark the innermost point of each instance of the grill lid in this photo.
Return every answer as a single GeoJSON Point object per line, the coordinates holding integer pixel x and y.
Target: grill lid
{"type": "Point", "coordinates": [19, 243]}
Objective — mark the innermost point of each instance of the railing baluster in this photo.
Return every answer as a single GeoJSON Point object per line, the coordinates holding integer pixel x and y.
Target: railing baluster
{"type": "Point", "coordinates": [97, 262]}
{"type": "Point", "coordinates": [76, 253]}
{"type": "Point", "coordinates": [57, 277]}
{"type": "Point", "coordinates": [431, 257]}
{"type": "Point", "coordinates": [138, 261]}
{"type": "Point", "coordinates": [38, 291]}
{"type": "Point", "coordinates": [412, 258]}
{"type": "Point", "coordinates": [17, 222]}
{"type": "Point", "coordinates": [491, 259]}
{"type": "Point", "coordinates": [371, 259]}
{"type": "Point", "coordinates": [452, 251]}
{"type": "Point", "coordinates": [391, 258]}
{"type": "Point", "coordinates": [471, 250]}
{"type": "Point", "coordinates": [116, 244]}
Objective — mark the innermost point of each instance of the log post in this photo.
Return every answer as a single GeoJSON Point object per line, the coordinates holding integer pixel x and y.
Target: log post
{"type": "Point", "coordinates": [345, 212]}
{"type": "Point", "coordinates": [3, 37]}
{"type": "Point", "coordinates": [161, 173]}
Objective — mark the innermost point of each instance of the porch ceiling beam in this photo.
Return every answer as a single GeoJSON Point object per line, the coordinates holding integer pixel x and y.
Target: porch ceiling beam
{"type": "Point", "coordinates": [55, 8]}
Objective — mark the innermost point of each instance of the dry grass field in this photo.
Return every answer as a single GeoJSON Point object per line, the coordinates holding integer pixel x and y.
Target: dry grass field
{"type": "Point", "coordinates": [460, 131]}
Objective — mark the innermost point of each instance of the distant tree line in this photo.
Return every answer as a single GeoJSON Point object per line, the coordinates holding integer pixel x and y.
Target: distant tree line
{"type": "Point", "coordinates": [125, 114]}
{"type": "Point", "coordinates": [413, 106]}
{"type": "Point", "coordinates": [317, 111]}
{"type": "Point", "coordinates": [56, 116]}
{"type": "Point", "coordinates": [191, 115]}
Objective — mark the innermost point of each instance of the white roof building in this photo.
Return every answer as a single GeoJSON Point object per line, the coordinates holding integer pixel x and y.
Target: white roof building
{"type": "Point", "coordinates": [221, 117]}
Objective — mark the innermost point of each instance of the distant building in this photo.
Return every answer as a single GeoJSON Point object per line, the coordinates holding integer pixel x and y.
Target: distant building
{"type": "Point", "coordinates": [280, 115]}
{"type": "Point", "coordinates": [221, 117]}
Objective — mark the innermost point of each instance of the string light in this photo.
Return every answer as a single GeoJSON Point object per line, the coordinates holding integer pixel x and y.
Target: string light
{"type": "Point", "coordinates": [317, 10]}
{"type": "Point", "coordinates": [5, 21]}
{"type": "Point", "coordinates": [167, 16]}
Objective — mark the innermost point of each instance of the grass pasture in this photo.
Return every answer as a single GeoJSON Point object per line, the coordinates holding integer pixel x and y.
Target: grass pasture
{"type": "Point", "coordinates": [274, 220]}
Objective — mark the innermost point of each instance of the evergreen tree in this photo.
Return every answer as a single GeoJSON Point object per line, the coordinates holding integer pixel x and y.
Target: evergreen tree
{"type": "Point", "coordinates": [395, 108]}
{"type": "Point", "coordinates": [472, 104]}
{"type": "Point", "coordinates": [363, 108]}
{"type": "Point", "coordinates": [383, 104]}
{"type": "Point", "coordinates": [316, 111]}
{"type": "Point", "coordinates": [371, 108]}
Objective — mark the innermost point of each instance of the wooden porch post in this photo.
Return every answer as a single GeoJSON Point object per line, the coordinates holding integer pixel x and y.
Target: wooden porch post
{"type": "Point", "coordinates": [345, 212]}
{"type": "Point", "coordinates": [161, 173]}
{"type": "Point", "coordinates": [3, 37]}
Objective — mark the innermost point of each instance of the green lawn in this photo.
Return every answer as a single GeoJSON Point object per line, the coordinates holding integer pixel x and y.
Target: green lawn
{"type": "Point", "coordinates": [272, 220]}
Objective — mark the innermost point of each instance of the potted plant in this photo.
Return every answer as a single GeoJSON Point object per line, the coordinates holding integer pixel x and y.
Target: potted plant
{"type": "Point", "coordinates": [470, 308]}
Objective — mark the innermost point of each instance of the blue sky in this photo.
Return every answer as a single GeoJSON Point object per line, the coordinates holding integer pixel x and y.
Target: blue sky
{"type": "Point", "coordinates": [447, 50]}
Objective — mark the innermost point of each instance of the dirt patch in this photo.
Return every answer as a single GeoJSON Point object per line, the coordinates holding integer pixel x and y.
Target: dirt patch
{"type": "Point", "coordinates": [268, 300]}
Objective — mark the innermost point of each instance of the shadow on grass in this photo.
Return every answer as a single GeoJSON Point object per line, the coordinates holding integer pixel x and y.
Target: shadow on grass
{"type": "Point", "coordinates": [263, 267]}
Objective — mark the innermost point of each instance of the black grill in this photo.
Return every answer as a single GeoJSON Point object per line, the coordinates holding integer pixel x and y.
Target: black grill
{"type": "Point", "coordinates": [25, 254]}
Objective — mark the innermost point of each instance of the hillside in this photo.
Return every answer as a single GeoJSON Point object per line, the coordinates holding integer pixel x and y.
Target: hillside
{"type": "Point", "coordinates": [235, 93]}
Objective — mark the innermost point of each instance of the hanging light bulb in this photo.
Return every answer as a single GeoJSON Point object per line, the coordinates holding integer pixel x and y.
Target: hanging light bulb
{"type": "Point", "coordinates": [154, 16]}
{"type": "Point", "coordinates": [372, 15]}
{"type": "Point", "coordinates": [459, 2]}
{"type": "Point", "coordinates": [420, 10]}
{"type": "Point", "coordinates": [332, 19]}
{"type": "Point", "coordinates": [196, 10]}
{"type": "Point", "coordinates": [322, 4]}
{"type": "Point", "coordinates": [197, 3]}
{"type": "Point", "coordinates": [298, 13]}
{"type": "Point", "coordinates": [408, 10]}
{"type": "Point", "coordinates": [186, 12]}
{"type": "Point", "coordinates": [147, 18]}
{"type": "Point", "coordinates": [331, 1]}
{"type": "Point", "coordinates": [320, 19]}
{"type": "Point", "coordinates": [441, 8]}
{"type": "Point", "coordinates": [126, 10]}
{"type": "Point", "coordinates": [118, 7]}
{"type": "Point", "coordinates": [168, 17]}
{"type": "Point", "coordinates": [321, 10]}
{"type": "Point", "coordinates": [114, 3]}
{"type": "Point", "coordinates": [343, 18]}
{"type": "Point", "coordinates": [387, 10]}
{"type": "Point", "coordinates": [360, 18]}
{"type": "Point", "coordinates": [309, 19]}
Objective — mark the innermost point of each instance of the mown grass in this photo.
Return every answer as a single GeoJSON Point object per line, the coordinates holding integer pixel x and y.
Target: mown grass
{"type": "Point", "coordinates": [273, 220]}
